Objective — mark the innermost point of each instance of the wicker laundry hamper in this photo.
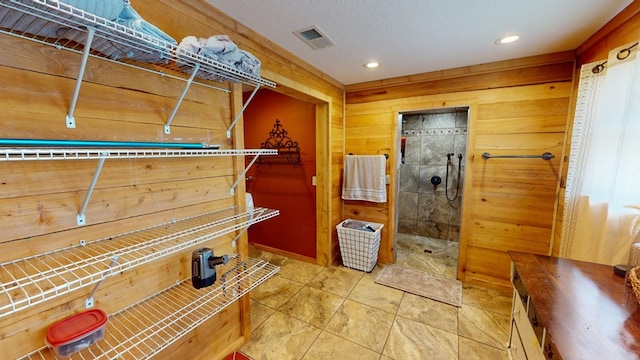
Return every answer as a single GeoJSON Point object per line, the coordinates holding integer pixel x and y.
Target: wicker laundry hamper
{"type": "Point", "coordinates": [635, 281]}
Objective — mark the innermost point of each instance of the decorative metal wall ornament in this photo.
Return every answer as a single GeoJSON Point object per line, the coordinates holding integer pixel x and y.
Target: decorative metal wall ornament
{"type": "Point", "coordinates": [288, 149]}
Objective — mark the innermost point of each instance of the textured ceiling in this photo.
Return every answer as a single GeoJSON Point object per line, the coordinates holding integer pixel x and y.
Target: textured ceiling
{"type": "Point", "coordinates": [415, 36]}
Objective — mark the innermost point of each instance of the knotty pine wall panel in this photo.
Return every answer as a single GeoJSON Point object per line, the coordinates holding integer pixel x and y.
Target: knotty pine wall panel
{"type": "Point", "coordinates": [102, 109]}
{"type": "Point", "coordinates": [508, 204]}
{"type": "Point", "coordinates": [370, 135]}
{"type": "Point", "coordinates": [511, 193]}
{"type": "Point", "coordinates": [511, 73]}
{"type": "Point", "coordinates": [508, 236]}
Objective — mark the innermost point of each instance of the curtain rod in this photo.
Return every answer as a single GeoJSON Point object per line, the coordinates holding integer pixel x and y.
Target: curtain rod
{"type": "Point", "coordinates": [622, 54]}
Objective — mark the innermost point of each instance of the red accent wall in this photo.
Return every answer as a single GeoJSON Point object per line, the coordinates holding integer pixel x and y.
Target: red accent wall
{"type": "Point", "coordinates": [283, 186]}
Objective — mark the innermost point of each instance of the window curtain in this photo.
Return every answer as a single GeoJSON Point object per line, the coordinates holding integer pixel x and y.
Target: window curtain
{"type": "Point", "coordinates": [603, 176]}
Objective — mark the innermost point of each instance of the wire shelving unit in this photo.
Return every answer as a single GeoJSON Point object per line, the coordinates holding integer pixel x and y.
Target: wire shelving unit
{"type": "Point", "coordinates": [36, 279]}
{"type": "Point", "coordinates": [32, 154]}
{"type": "Point", "coordinates": [22, 154]}
{"type": "Point", "coordinates": [55, 23]}
{"type": "Point", "coordinates": [143, 329]}
{"type": "Point", "coordinates": [149, 326]}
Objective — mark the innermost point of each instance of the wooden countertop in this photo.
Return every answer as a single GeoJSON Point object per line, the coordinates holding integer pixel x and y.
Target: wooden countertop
{"type": "Point", "coordinates": [588, 311]}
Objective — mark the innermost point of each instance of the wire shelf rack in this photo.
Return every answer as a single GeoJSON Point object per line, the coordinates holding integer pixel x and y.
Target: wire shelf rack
{"type": "Point", "coordinates": [33, 280]}
{"type": "Point", "coordinates": [24, 154]}
{"type": "Point", "coordinates": [15, 154]}
{"type": "Point", "coordinates": [63, 26]}
{"type": "Point", "coordinates": [142, 330]}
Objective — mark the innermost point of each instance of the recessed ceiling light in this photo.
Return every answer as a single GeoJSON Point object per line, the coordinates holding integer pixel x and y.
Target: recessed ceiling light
{"type": "Point", "coordinates": [371, 65]}
{"type": "Point", "coordinates": [507, 39]}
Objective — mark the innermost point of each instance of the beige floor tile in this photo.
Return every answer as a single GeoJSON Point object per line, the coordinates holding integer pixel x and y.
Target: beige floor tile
{"type": "Point", "coordinates": [429, 312]}
{"type": "Point", "coordinates": [488, 299]}
{"type": "Point", "coordinates": [484, 326]}
{"type": "Point", "coordinates": [361, 324]}
{"type": "Point", "coordinates": [373, 319]}
{"type": "Point", "coordinates": [337, 280]}
{"type": "Point", "coordinates": [378, 296]}
{"type": "Point", "coordinates": [473, 350]}
{"type": "Point", "coordinates": [410, 339]}
{"type": "Point", "coordinates": [280, 337]}
{"type": "Point", "coordinates": [328, 346]}
{"type": "Point", "coordinates": [313, 306]}
{"type": "Point", "coordinates": [291, 269]}
{"type": "Point", "coordinates": [275, 292]}
{"type": "Point", "coordinates": [299, 271]}
{"type": "Point", "coordinates": [275, 259]}
{"type": "Point", "coordinates": [259, 313]}
{"type": "Point", "coordinates": [371, 276]}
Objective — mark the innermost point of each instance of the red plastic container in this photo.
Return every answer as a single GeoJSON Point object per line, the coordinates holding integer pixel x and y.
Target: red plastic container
{"type": "Point", "coordinates": [77, 332]}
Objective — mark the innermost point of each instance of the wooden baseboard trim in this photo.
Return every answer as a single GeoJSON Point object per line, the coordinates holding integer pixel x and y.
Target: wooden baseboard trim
{"type": "Point", "coordinates": [285, 253]}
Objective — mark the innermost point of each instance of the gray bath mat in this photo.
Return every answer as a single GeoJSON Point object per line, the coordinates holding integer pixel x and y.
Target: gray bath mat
{"type": "Point", "coordinates": [432, 286]}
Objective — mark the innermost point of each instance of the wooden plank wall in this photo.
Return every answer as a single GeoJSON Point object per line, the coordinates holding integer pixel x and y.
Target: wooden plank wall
{"type": "Point", "coordinates": [624, 28]}
{"type": "Point", "coordinates": [39, 200]}
{"type": "Point", "coordinates": [516, 107]}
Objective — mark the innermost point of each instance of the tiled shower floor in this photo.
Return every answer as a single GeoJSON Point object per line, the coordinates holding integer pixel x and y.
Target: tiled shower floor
{"type": "Point", "coordinates": [435, 256]}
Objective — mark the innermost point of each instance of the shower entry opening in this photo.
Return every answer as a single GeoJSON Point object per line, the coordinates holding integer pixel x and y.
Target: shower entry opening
{"type": "Point", "coordinates": [432, 147]}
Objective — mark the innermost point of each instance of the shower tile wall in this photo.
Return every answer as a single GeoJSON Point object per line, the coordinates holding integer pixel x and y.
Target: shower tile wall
{"type": "Point", "coordinates": [425, 210]}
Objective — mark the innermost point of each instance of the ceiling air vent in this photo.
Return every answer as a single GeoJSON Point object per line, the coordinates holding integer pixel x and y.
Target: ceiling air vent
{"type": "Point", "coordinates": [314, 37]}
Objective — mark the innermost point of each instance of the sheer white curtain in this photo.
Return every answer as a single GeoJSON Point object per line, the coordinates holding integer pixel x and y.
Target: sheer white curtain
{"type": "Point", "coordinates": [604, 164]}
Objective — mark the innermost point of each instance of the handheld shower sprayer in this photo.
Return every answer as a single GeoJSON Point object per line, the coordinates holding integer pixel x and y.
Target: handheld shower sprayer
{"type": "Point", "coordinates": [446, 188]}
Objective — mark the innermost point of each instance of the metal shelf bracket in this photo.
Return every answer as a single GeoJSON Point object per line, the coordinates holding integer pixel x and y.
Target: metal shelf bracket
{"type": "Point", "coordinates": [71, 121]}
{"type": "Point", "coordinates": [81, 220]}
{"type": "Point", "coordinates": [167, 126]}
{"type": "Point", "coordinates": [242, 176]}
{"type": "Point", "coordinates": [235, 120]}
{"type": "Point", "coordinates": [88, 302]}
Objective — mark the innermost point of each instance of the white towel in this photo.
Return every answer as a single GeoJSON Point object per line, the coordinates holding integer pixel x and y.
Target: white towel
{"type": "Point", "coordinates": [364, 178]}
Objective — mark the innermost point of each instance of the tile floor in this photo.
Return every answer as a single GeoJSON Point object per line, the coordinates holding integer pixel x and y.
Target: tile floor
{"type": "Point", "coordinates": [309, 312]}
{"type": "Point", "coordinates": [435, 256]}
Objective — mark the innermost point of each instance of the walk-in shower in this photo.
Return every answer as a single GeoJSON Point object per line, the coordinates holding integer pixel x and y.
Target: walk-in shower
{"type": "Point", "coordinates": [429, 211]}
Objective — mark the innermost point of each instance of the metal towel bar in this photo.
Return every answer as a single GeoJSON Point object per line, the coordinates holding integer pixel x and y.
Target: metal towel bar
{"type": "Point", "coordinates": [544, 156]}
{"type": "Point", "coordinates": [386, 156]}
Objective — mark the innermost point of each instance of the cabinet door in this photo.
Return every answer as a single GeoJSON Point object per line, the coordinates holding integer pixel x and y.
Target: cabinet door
{"type": "Point", "coordinates": [530, 343]}
{"type": "Point", "coordinates": [515, 345]}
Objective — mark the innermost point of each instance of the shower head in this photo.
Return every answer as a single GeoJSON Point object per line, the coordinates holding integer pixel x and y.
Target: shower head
{"type": "Point", "coordinates": [449, 155]}
{"type": "Point", "coordinates": [459, 156]}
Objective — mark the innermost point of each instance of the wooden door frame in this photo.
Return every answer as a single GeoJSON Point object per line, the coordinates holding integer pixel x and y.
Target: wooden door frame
{"type": "Point", "coordinates": [324, 256]}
